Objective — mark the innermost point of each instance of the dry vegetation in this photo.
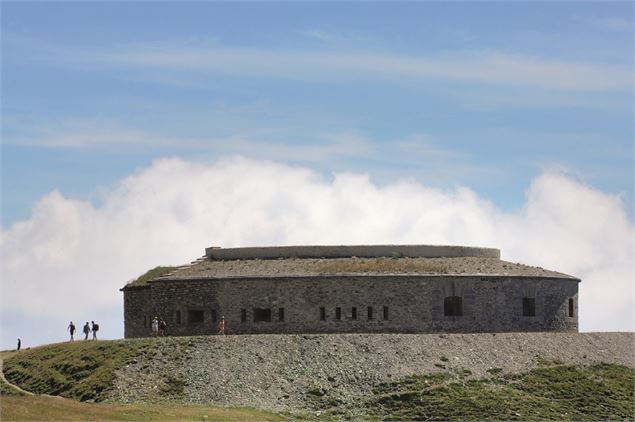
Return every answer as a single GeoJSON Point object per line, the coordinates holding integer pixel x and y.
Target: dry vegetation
{"type": "Point", "coordinates": [381, 265]}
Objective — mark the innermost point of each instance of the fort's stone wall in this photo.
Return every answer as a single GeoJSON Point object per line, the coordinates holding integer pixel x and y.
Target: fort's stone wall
{"type": "Point", "coordinates": [370, 251]}
{"type": "Point", "coordinates": [414, 304]}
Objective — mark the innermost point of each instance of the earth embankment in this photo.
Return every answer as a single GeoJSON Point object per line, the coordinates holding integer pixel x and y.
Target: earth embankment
{"type": "Point", "coordinates": [299, 372]}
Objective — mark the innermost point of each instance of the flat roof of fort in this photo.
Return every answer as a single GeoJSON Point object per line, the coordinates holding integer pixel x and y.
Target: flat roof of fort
{"type": "Point", "coordinates": [348, 251]}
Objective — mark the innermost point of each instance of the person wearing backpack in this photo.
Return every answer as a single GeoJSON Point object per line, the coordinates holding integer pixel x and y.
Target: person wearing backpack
{"type": "Point", "coordinates": [95, 329]}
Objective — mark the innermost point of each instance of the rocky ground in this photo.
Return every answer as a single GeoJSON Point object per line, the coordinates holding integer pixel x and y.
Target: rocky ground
{"type": "Point", "coordinates": [304, 372]}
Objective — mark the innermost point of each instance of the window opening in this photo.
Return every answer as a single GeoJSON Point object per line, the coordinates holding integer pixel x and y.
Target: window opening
{"type": "Point", "coordinates": [385, 312]}
{"type": "Point", "coordinates": [370, 313]}
{"type": "Point", "coordinates": [243, 315]}
{"type": "Point", "coordinates": [354, 313]}
{"type": "Point", "coordinates": [529, 307]}
{"type": "Point", "coordinates": [178, 317]}
{"type": "Point", "coordinates": [453, 306]}
{"type": "Point", "coordinates": [145, 321]}
{"type": "Point", "coordinates": [195, 317]}
{"type": "Point", "coordinates": [338, 313]}
{"type": "Point", "coordinates": [262, 315]}
{"type": "Point", "coordinates": [571, 307]}
{"type": "Point", "coordinates": [280, 314]}
{"type": "Point", "coordinates": [322, 314]}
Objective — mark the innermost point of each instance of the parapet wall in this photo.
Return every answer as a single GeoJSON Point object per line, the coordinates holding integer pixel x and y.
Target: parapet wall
{"type": "Point", "coordinates": [365, 251]}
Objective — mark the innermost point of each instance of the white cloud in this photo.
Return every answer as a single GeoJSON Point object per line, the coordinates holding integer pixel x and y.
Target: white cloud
{"type": "Point", "coordinates": [486, 67]}
{"type": "Point", "coordinates": [69, 259]}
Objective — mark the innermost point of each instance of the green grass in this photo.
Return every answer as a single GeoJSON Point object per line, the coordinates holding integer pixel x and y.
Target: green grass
{"type": "Point", "coordinates": [557, 392]}
{"type": "Point", "coordinates": [82, 370]}
{"type": "Point", "coordinates": [150, 274]}
{"type": "Point", "coordinates": [38, 408]}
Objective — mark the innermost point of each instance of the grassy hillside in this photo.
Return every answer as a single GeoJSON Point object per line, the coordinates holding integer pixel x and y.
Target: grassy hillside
{"type": "Point", "coordinates": [171, 370]}
{"type": "Point", "coordinates": [81, 370]}
{"type": "Point", "coordinates": [39, 408]}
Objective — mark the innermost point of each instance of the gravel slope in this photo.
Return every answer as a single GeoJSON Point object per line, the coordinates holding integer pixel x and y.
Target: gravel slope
{"type": "Point", "coordinates": [285, 372]}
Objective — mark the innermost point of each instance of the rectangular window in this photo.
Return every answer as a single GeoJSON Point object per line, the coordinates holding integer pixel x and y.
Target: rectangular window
{"type": "Point", "coordinates": [370, 313]}
{"type": "Point", "coordinates": [385, 313]}
{"type": "Point", "coordinates": [338, 313]}
{"type": "Point", "coordinates": [571, 307]}
{"type": "Point", "coordinates": [453, 306]}
{"type": "Point", "coordinates": [213, 315]}
{"type": "Point", "coordinates": [178, 317]}
{"type": "Point", "coordinates": [195, 317]}
{"type": "Point", "coordinates": [262, 315]}
{"type": "Point", "coordinates": [322, 314]}
{"type": "Point", "coordinates": [280, 314]}
{"type": "Point", "coordinates": [354, 313]}
{"type": "Point", "coordinates": [529, 307]}
{"type": "Point", "coordinates": [243, 315]}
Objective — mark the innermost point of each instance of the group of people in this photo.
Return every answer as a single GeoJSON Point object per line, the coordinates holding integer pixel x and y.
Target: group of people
{"type": "Point", "coordinates": [88, 328]}
{"type": "Point", "coordinates": [158, 327]}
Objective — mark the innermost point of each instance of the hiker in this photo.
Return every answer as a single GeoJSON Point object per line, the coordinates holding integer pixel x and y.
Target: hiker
{"type": "Point", "coordinates": [221, 325]}
{"type": "Point", "coordinates": [86, 330]}
{"type": "Point", "coordinates": [94, 330]}
{"type": "Point", "coordinates": [155, 327]}
{"type": "Point", "coordinates": [162, 327]}
{"type": "Point", "coordinates": [19, 345]}
{"type": "Point", "coordinates": [71, 328]}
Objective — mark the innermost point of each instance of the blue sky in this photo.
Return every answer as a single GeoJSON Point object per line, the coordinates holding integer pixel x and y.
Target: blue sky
{"type": "Point", "coordinates": [482, 95]}
{"type": "Point", "coordinates": [86, 71]}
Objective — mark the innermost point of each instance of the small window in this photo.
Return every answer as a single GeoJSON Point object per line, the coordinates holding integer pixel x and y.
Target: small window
{"type": "Point", "coordinates": [529, 307]}
{"type": "Point", "coordinates": [370, 313]}
{"type": "Point", "coordinates": [262, 315]}
{"type": "Point", "coordinates": [453, 306]}
{"type": "Point", "coordinates": [243, 315]}
{"type": "Point", "coordinates": [145, 321]}
{"type": "Point", "coordinates": [571, 307]}
{"type": "Point", "coordinates": [338, 313]}
{"type": "Point", "coordinates": [195, 317]}
{"type": "Point", "coordinates": [385, 313]}
{"type": "Point", "coordinates": [178, 317]}
{"type": "Point", "coordinates": [354, 313]}
{"type": "Point", "coordinates": [280, 314]}
{"type": "Point", "coordinates": [213, 315]}
{"type": "Point", "coordinates": [322, 314]}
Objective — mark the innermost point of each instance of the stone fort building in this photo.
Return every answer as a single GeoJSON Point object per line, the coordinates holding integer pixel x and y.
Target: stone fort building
{"type": "Point", "coordinates": [352, 289]}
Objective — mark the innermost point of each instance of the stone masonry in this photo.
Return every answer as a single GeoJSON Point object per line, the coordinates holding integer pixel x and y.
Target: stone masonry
{"type": "Point", "coordinates": [368, 296]}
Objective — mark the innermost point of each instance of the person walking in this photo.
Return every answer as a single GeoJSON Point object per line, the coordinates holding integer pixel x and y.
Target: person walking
{"type": "Point", "coordinates": [162, 327]}
{"type": "Point", "coordinates": [155, 327]}
{"type": "Point", "coordinates": [94, 329]}
{"type": "Point", "coordinates": [86, 330]}
{"type": "Point", "coordinates": [19, 345]}
{"type": "Point", "coordinates": [221, 326]}
{"type": "Point", "coordinates": [71, 328]}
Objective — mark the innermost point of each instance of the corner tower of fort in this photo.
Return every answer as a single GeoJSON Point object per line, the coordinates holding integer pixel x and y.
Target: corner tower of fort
{"type": "Point", "coordinates": [343, 289]}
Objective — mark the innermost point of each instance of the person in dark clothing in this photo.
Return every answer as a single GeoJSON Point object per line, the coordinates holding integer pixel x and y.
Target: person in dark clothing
{"type": "Point", "coordinates": [94, 329]}
{"type": "Point", "coordinates": [162, 327]}
{"type": "Point", "coordinates": [71, 328]}
{"type": "Point", "coordinates": [86, 330]}
{"type": "Point", "coordinates": [19, 344]}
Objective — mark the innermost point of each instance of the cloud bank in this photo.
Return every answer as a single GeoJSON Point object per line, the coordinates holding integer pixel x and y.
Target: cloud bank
{"type": "Point", "coordinates": [68, 260]}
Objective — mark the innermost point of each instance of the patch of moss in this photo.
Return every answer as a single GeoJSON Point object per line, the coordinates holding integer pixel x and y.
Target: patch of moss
{"type": "Point", "coordinates": [151, 274]}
